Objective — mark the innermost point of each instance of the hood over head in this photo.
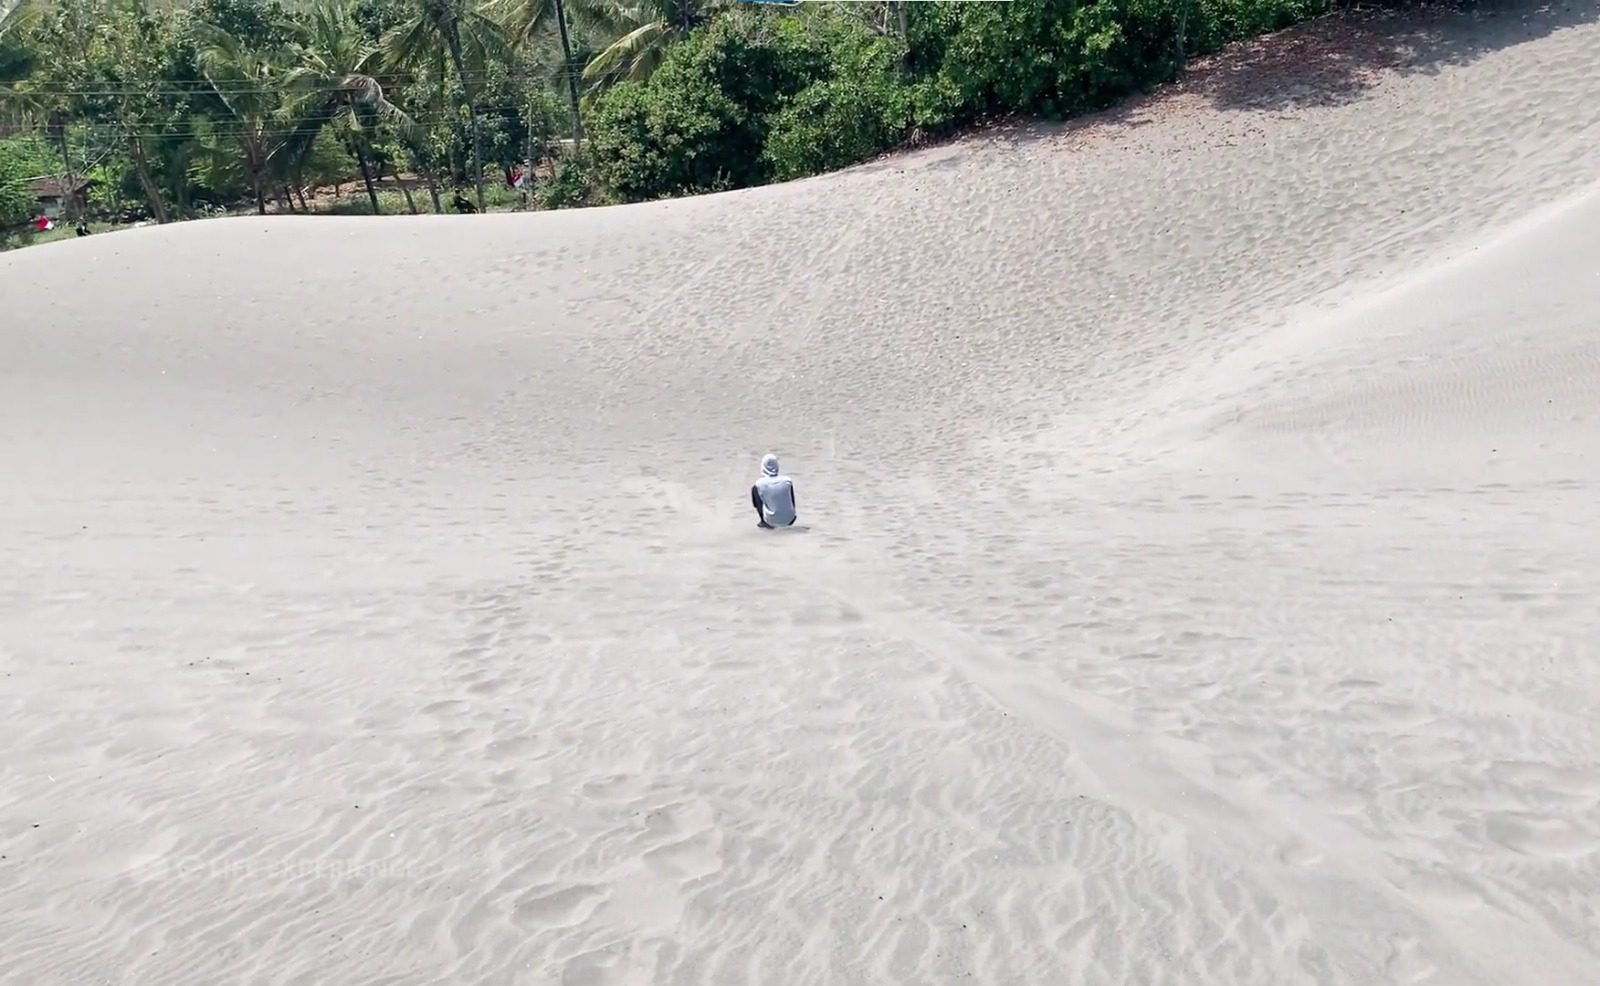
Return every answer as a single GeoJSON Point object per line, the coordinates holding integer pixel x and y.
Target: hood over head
{"type": "Point", "coordinates": [769, 465]}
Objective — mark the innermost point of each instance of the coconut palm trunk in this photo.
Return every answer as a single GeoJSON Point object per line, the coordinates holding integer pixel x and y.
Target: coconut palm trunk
{"type": "Point", "coordinates": [1182, 41]}
{"type": "Point", "coordinates": [433, 190]}
{"type": "Point", "coordinates": [258, 179]}
{"type": "Point", "coordinates": [472, 113]}
{"type": "Point", "coordinates": [572, 75]}
{"type": "Point", "coordinates": [141, 167]}
{"type": "Point", "coordinates": [69, 200]}
{"type": "Point", "coordinates": [366, 175]}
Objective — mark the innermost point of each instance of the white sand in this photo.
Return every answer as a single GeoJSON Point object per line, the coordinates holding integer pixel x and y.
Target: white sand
{"type": "Point", "coordinates": [1199, 582]}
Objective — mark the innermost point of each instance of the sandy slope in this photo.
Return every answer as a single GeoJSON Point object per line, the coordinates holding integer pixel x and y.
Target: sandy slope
{"type": "Point", "coordinates": [1197, 587]}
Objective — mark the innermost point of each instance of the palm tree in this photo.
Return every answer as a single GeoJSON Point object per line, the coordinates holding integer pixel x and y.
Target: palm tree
{"type": "Point", "coordinates": [644, 31]}
{"type": "Point", "coordinates": [10, 10]}
{"type": "Point", "coordinates": [15, 60]}
{"type": "Point", "coordinates": [44, 98]}
{"type": "Point", "coordinates": [469, 37]}
{"type": "Point", "coordinates": [247, 84]}
{"type": "Point", "coordinates": [331, 85]}
{"type": "Point", "coordinates": [523, 20]}
{"type": "Point", "coordinates": [14, 15]}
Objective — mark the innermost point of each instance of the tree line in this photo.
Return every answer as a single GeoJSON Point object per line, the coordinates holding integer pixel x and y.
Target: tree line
{"type": "Point", "coordinates": [177, 110]}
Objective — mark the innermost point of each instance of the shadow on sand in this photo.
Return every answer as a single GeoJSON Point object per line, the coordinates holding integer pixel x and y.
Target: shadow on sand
{"type": "Point", "coordinates": [1333, 60]}
{"type": "Point", "coordinates": [783, 531]}
{"type": "Point", "coordinates": [1330, 61]}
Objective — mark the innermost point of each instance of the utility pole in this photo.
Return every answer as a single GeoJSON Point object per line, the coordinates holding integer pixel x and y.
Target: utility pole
{"type": "Point", "coordinates": [572, 77]}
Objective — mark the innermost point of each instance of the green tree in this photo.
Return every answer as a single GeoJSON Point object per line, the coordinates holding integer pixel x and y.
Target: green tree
{"type": "Point", "coordinates": [21, 162]}
{"type": "Point", "coordinates": [700, 122]}
{"type": "Point", "coordinates": [16, 55]}
{"type": "Point", "coordinates": [1055, 58]}
{"type": "Point", "coordinates": [525, 22]}
{"type": "Point", "coordinates": [469, 38]}
{"type": "Point", "coordinates": [432, 143]}
{"type": "Point", "coordinates": [859, 105]}
{"type": "Point", "coordinates": [755, 95]}
{"type": "Point", "coordinates": [101, 70]}
{"type": "Point", "coordinates": [246, 83]}
{"type": "Point", "coordinates": [643, 32]}
{"type": "Point", "coordinates": [333, 86]}
{"type": "Point", "coordinates": [48, 93]}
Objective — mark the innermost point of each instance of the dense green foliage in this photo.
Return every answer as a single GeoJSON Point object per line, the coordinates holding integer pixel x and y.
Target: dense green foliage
{"type": "Point", "coordinates": [757, 96]}
{"type": "Point", "coordinates": [855, 104]}
{"type": "Point", "coordinates": [21, 161]}
{"type": "Point", "coordinates": [174, 111]}
{"type": "Point", "coordinates": [180, 111]}
{"type": "Point", "coordinates": [700, 122]}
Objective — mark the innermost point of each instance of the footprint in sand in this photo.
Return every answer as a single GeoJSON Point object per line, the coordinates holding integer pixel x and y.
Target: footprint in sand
{"type": "Point", "coordinates": [616, 789]}
{"type": "Point", "coordinates": [829, 615]}
{"type": "Point", "coordinates": [690, 859]}
{"type": "Point", "coordinates": [488, 686]}
{"type": "Point", "coordinates": [1353, 684]}
{"type": "Point", "coordinates": [1390, 714]}
{"type": "Point", "coordinates": [1441, 888]}
{"type": "Point", "coordinates": [603, 968]}
{"type": "Point", "coordinates": [1144, 656]}
{"type": "Point", "coordinates": [447, 709]}
{"type": "Point", "coordinates": [1569, 783]}
{"type": "Point", "coordinates": [1299, 853]}
{"type": "Point", "coordinates": [556, 906]}
{"type": "Point", "coordinates": [510, 777]}
{"type": "Point", "coordinates": [682, 842]}
{"type": "Point", "coordinates": [1407, 963]}
{"type": "Point", "coordinates": [511, 748]}
{"type": "Point", "coordinates": [1535, 835]}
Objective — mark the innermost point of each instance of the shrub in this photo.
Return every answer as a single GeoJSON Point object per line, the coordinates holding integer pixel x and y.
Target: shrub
{"type": "Point", "coordinates": [1056, 58]}
{"type": "Point", "coordinates": [861, 105]}
{"type": "Point", "coordinates": [568, 187]}
{"type": "Point", "coordinates": [696, 124]}
{"type": "Point", "coordinates": [1214, 23]}
{"type": "Point", "coordinates": [702, 121]}
{"type": "Point", "coordinates": [1061, 58]}
{"type": "Point", "coordinates": [21, 161]}
{"type": "Point", "coordinates": [758, 95]}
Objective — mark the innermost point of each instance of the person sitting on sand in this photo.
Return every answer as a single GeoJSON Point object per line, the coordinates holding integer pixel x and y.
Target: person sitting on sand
{"type": "Point", "coordinates": [773, 496]}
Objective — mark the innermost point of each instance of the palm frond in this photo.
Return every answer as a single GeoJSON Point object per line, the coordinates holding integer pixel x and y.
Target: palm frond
{"type": "Point", "coordinates": [487, 35]}
{"type": "Point", "coordinates": [411, 45]}
{"type": "Point", "coordinates": [397, 119]}
{"type": "Point", "coordinates": [629, 56]}
{"type": "Point", "coordinates": [520, 19]}
{"type": "Point", "coordinates": [17, 16]}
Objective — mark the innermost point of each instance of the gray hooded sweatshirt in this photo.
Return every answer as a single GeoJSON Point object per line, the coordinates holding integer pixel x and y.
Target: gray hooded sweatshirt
{"type": "Point", "coordinates": [776, 494]}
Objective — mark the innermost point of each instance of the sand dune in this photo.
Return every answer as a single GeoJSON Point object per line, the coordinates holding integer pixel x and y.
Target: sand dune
{"type": "Point", "coordinates": [1196, 582]}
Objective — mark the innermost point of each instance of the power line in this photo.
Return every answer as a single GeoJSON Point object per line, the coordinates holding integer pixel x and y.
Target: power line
{"type": "Point", "coordinates": [183, 87]}
{"type": "Point", "coordinates": [291, 124]}
{"type": "Point", "coordinates": [233, 131]}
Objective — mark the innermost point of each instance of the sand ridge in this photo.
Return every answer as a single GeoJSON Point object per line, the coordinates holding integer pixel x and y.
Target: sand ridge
{"type": "Point", "coordinates": [1195, 581]}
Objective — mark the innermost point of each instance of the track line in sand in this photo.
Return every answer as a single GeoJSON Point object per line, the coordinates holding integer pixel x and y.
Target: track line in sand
{"type": "Point", "coordinates": [1313, 852]}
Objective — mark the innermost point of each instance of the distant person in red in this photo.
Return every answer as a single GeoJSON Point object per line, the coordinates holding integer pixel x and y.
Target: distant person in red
{"type": "Point", "coordinates": [43, 223]}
